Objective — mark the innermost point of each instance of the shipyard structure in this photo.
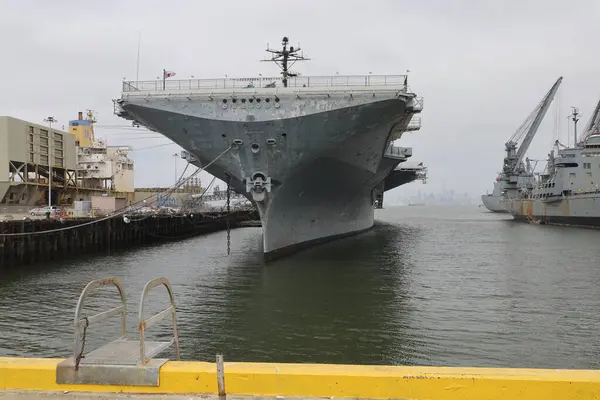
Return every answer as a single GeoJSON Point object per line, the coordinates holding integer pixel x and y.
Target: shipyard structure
{"type": "Point", "coordinates": [313, 153]}
{"type": "Point", "coordinates": [38, 161]}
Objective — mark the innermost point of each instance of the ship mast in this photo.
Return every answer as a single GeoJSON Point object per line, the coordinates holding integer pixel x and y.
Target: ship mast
{"type": "Point", "coordinates": [574, 118]}
{"type": "Point", "coordinates": [285, 56]}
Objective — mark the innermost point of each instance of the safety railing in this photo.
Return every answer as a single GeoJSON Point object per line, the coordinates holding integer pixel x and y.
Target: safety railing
{"type": "Point", "coordinates": [418, 104]}
{"type": "Point", "coordinates": [147, 323]}
{"type": "Point", "coordinates": [265, 82]}
{"type": "Point", "coordinates": [81, 324]}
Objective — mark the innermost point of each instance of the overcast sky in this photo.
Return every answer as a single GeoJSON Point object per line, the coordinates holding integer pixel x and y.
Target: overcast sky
{"type": "Point", "coordinates": [481, 66]}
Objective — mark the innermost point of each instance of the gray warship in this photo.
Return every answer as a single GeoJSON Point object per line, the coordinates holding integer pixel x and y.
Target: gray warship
{"type": "Point", "coordinates": [314, 153]}
{"type": "Point", "coordinates": [568, 192]}
{"type": "Point", "coordinates": [517, 174]}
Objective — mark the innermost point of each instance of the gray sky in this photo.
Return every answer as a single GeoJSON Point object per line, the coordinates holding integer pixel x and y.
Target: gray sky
{"type": "Point", "coordinates": [481, 66]}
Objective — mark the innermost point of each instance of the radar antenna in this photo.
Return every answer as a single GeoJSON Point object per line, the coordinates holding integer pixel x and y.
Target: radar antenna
{"type": "Point", "coordinates": [285, 56]}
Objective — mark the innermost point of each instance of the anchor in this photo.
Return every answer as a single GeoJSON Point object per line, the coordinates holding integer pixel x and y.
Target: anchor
{"type": "Point", "coordinates": [259, 185]}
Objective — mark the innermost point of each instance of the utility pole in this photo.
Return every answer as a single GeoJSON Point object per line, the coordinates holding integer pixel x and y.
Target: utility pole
{"type": "Point", "coordinates": [50, 121]}
{"type": "Point", "coordinates": [175, 159]}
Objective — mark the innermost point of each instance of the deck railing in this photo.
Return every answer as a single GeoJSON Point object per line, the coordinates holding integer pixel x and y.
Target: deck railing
{"type": "Point", "coordinates": [262, 82]}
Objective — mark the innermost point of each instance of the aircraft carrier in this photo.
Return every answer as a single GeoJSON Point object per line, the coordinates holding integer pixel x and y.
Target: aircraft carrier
{"type": "Point", "coordinates": [314, 153]}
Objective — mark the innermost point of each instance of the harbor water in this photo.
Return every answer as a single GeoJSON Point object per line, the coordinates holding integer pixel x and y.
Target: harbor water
{"type": "Point", "coordinates": [452, 286]}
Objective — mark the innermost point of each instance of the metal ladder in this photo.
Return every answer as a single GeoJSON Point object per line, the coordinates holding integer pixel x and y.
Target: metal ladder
{"type": "Point", "coordinates": [122, 361]}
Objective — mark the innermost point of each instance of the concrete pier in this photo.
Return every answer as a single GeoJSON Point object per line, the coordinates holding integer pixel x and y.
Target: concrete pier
{"type": "Point", "coordinates": [25, 395]}
{"type": "Point", "coordinates": [111, 234]}
{"type": "Point", "coordinates": [36, 379]}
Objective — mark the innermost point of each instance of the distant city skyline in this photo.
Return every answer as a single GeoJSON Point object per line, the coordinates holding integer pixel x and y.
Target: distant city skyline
{"type": "Point", "coordinates": [444, 197]}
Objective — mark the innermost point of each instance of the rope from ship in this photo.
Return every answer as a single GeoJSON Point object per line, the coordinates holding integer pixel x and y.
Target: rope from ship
{"type": "Point", "coordinates": [228, 218]}
{"type": "Point", "coordinates": [150, 215]}
{"type": "Point", "coordinates": [123, 210]}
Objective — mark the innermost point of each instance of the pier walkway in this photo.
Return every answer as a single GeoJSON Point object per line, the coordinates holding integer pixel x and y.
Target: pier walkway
{"type": "Point", "coordinates": [36, 379]}
{"type": "Point", "coordinates": [24, 395]}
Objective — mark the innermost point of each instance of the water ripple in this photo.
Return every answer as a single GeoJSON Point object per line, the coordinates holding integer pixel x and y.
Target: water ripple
{"type": "Point", "coordinates": [432, 286]}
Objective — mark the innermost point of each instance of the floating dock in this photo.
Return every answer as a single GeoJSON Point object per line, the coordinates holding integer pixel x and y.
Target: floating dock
{"type": "Point", "coordinates": [36, 378]}
{"type": "Point", "coordinates": [31, 241]}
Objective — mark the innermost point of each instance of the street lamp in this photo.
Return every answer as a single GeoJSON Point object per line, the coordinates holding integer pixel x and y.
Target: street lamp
{"type": "Point", "coordinates": [50, 121]}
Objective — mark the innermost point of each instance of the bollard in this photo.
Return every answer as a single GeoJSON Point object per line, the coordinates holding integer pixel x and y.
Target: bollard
{"type": "Point", "coordinates": [221, 377]}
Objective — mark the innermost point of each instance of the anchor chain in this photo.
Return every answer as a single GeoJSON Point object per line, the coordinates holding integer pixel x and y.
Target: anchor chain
{"type": "Point", "coordinates": [80, 355]}
{"type": "Point", "coordinates": [228, 203]}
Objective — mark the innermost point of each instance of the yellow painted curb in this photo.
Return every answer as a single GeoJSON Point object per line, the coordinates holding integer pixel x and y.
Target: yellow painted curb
{"type": "Point", "coordinates": [310, 380]}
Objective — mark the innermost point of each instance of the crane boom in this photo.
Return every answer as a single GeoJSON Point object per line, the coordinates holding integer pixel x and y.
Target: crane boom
{"type": "Point", "coordinates": [593, 125]}
{"type": "Point", "coordinates": [528, 129]}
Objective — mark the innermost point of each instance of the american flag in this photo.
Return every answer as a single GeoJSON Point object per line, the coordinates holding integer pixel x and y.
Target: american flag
{"type": "Point", "coordinates": [168, 74]}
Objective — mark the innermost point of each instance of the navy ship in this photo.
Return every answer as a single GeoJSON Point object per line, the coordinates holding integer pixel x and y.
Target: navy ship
{"type": "Point", "coordinates": [568, 192]}
{"type": "Point", "coordinates": [313, 153]}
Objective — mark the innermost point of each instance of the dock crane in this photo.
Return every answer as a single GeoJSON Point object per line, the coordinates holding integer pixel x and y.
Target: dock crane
{"type": "Point", "coordinates": [593, 125]}
{"type": "Point", "coordinates": [514, 167]}
{"type": "Point", "coordinates": [515, 173]}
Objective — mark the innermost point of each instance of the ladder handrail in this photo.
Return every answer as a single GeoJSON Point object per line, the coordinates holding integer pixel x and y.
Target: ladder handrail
{"type": "Point", "coordinates": [147, 323]}
{"type": "Point", "coordinates": [80, 323]}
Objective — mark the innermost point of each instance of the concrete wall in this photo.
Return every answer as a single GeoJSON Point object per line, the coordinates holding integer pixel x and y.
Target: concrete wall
{"type": "Point", "coordinates": [17, 135]}
{"type": "Point", "coordinates": [108, 203]}
{"type": "Point", "coordinates": [15, 144]}
{"type": "Point", "coordinates": [70, 151]}
{"type": "Point", "coordinates": [123, 176]}
{"type": "Point", "coordinates": [124, 180]}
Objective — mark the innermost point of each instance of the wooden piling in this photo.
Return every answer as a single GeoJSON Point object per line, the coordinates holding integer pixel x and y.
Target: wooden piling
{"type": "Point", "coordinates": [20, 244]}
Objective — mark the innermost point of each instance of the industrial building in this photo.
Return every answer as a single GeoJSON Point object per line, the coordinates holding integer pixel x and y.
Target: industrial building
{"type": "Point", "coordinates": [82, 167]}
{"type": "Point", "coordinates": [26, 149]}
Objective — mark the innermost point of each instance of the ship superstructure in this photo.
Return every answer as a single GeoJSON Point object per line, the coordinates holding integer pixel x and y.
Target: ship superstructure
{"type": "Point", "coordinates": [313, 153]}
{"type": "Point", "coordinates": [568, 192]}
{"type": "Point", "coordinates": [100, 166]}
{"type": "Point", "coordinates": [517, 174]}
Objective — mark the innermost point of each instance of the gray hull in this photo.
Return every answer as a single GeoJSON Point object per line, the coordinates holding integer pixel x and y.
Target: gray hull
{"type": "Point", "coordinates": [494, 203]}
{"type": "Point", "coordinates": [312, 164]}
{"type": "Point", "coordinates": [580, 210]}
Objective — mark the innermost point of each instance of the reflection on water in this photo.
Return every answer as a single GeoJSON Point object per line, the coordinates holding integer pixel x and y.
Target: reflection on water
{"type": "Point", "coordinates": [433, 286]}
